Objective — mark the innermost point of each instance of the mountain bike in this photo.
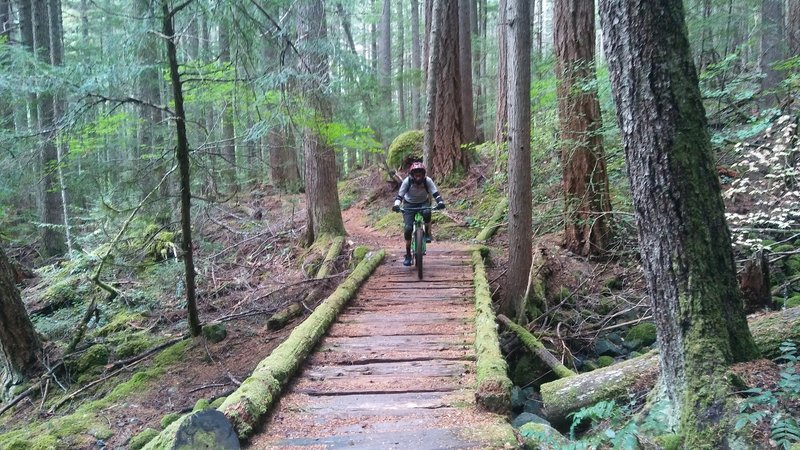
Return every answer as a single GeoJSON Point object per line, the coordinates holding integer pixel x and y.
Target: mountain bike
{"type": "Point", "coordinates": [418, 244]}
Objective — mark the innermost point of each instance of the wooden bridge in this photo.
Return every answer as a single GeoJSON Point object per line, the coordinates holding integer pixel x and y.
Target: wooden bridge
{"type": "Point", "coordinates": [396, 370]}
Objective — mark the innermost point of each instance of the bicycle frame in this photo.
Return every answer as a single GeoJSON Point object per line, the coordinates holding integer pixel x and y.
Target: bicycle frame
{"type": "Point", "coordinates": [418, 244]}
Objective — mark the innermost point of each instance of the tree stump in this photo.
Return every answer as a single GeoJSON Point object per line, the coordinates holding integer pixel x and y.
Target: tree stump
{"type": "Point", "coordinates": [754, 284]}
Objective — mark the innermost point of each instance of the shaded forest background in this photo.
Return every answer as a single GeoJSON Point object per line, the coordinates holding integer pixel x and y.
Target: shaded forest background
{"type": "Point", "coordinates": [91, 177]}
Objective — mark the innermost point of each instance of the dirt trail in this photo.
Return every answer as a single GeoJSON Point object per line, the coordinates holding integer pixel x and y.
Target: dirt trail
{"type": "Point", "coordinates": [397, 369]}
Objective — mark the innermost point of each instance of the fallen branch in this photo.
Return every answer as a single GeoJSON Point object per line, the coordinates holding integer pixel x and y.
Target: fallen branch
{"type": "Point", "coordinates": [538, 349]}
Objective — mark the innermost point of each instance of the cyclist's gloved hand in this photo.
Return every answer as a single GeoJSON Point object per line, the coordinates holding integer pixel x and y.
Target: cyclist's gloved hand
{"type": "Point", "coordinates": [440, 205]}
{"type": "Point", "coordinates": [396, 207]}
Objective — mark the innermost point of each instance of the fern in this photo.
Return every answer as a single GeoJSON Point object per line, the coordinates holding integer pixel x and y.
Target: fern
{"type": "Point", "coordinates": [776, 406]}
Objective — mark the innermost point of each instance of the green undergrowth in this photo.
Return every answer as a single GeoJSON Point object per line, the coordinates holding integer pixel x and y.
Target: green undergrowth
{"type": "Point", "coordinates": [87, 424]}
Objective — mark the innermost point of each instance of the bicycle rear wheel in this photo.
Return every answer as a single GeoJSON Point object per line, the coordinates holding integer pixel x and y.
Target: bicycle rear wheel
{"type": "Point", "coordinates": [419, 250]}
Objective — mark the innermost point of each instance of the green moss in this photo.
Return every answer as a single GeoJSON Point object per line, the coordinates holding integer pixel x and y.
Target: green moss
{"type": "Point", "coordinates": [87, 418]}
{"type": "Point", "coordinates": [783, 248]}
{"type": "Point", "coordinates": [613, 284]}
{"type": "Point", "coordinates": [643, 333]}
{"type": "Point", "coordinates": [96, 355]}
{"type": "Point", "coordinates": [215, 404]}
{"type": "Point", "coordinates": [605, 361]}
{"type": "Point", "coordinates": [670, 441]}
{"type": "Point", "coordinates": [792, 265]}
{"type": "Point", "coordinates": [169, 418]}
{"type": "Point", "coordinates": [134, 344]}
{"type": "Point", "coordinates": [358, 254]}
{"type": "Point", "coordinates": [215, 332]}
{"type": "Point", "coordinates": [120, 322]}
{"type": "Point", "coordinates": [792, 301]}
{"type": "Point", "coordinates": [405, 148]}
{"type": "Point", "coordinates": [201, 405]}
{"type": "Point", "coordinates": [141, 439]}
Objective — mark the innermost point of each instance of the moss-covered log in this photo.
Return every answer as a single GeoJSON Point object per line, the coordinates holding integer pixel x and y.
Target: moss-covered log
{"type": "Point", "coordinates": [494, 387]}
{"type": "Point", "coordinates": [567, 395]}
{"type": "Point", "coordinates": [537, 348]}
{"type": "Point", "coordinates": [246, 406]}
{"type": "Point", "coordinates": [494, 222]}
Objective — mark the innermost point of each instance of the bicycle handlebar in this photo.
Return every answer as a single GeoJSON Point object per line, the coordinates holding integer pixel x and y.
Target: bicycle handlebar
{"type": "Point", "coordinates": [424, 208]}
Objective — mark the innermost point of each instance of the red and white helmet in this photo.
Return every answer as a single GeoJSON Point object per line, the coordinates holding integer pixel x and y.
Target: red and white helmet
{"type": "Point", "coordinates": [417, 167]}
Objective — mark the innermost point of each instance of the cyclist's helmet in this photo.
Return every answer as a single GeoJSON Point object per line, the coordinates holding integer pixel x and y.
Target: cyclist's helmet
{"type": "Point", "coordinates": [417, 167]}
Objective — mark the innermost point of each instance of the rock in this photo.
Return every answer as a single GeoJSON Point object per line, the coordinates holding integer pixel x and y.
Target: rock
{"type": "Point", "coordinates": [215, 333]}
{"type": "Point", "coordinates": [606, 347]}
{"type": "Point", "coordinates": [527, 417]}
{"type": "Point", "coordinates": [208, 429]}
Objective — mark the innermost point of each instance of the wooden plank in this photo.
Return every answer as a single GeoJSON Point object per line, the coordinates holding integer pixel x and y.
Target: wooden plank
{"type": "Point", "coordinates": [431, 368]}
{"type": "Point", "coordinates": [401, 315]}
{"type": "Point", "coordinates": [394, 329]}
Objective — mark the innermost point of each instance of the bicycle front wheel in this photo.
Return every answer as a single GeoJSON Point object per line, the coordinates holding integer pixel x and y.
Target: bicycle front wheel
{"type": "Point", "coordinates": [419, 244]}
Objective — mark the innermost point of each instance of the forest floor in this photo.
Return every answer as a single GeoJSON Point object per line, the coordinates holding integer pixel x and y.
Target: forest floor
{"type": "Point", "coordinates": [255, 267]}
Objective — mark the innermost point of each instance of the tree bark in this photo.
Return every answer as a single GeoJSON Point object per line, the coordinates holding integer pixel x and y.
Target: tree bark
{"type": "Point", "coordinates": [771, 50]}
{"type": "Point", "coordinates": [416, 66]}
{"type": "Point", "coordinates": [385, 52]}
{"type": "Point", "coordinates": [501, 114]}
{"type": "Point", "coordinates": [228, 131]}
{"type": "Point", "coordinates": [465, 68]}
{"type": "Point", "coordinates": [446, 155]}
{"type": "Point", "coordinates": [793, 27]}
{"type": "Point", "coordinates": [52, 214]}
{"type": "Point", "coordinates": [520, 216]}
{"type": "Point", "coordinates": [585, 180]}
{"type": "Point", "coordinates": [322, 198]}
{"type": "Point", "coordinates": [433, 68]}
{"type": "Point", "coordinates": [20, 348]}
{"type": "Point", "coordinates": [182, 155]}
{"type": "Point", "coordinates": [684, 240]}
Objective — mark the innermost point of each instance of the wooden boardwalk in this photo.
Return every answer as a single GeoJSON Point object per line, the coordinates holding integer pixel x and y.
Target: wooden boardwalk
{"type": "Point", "coordinates": [395, 371]}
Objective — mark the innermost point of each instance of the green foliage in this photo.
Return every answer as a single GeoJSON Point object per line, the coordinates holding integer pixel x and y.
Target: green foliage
{"type": "Point", "coordinates": [776, 406]}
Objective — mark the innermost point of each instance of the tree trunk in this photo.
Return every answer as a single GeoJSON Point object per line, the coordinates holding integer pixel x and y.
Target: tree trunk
{"type": "Point", "coordinates": [793, 27]}
{"type": "Point", "coordinates": [401, 58]}
{"type": "Point", "coordinates": [465, 69]}
{"type": "Point", "coordinates": [433, 68]}
{"type": "Point", "coordinates": [385, 52]}
{"type": "Point", "coordinates": [754, 283]}
{"type": "Point", "coordinates": [520, 216]}
{"type": "Point", "coordinates": [684, 240]}
{"type": "Point", "coordinates": [149, 128]}
{"type": "Point", "coordinates": [586, 199]}
{"type": "Point", "coordinates": [771, 48]}
{"type": "Point", "coordinates": [322, 198]}
{"type": "Point", "coordinates": [53, 238]}
{"type": "Point", "coordinates": [416, 66]}
{"type": "Point", "coordinates": [6, 22]}
{"type": "Point", "coordinates": [182, 155]}
{"type": "Point", "coordinates": [501, 114]}
{"type": "Point", "coordinates": [228, 132]}
{"type": "Point", "coordinates": [20, 348]}
{"type": "Point", "coordinates": [446, 155]}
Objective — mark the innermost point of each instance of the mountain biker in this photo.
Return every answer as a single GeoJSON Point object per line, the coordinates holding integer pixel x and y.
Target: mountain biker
{"type": "Point", "coordinates": [416, 191]}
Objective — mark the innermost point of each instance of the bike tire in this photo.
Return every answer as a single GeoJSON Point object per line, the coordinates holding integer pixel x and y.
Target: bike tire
{"type": "Point", "coordinates": [419, 244]}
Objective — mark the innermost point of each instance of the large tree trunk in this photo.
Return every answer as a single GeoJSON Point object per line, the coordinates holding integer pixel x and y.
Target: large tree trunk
{"type": "Point", "coordinates": [149, 128]}
{"type": "Point", "coordinates": [771, 51]}
{"type": "Point", "coordinates": [501, 114]}
{"type": "Point", "coordinates": [432, 74]}
{"type": "Point", "coordinates": [465, 68]}
{"type": "Point", "coordinates": [416, 66]}
{"type": "Point", "coordinates": [182, 155]}
{"type": "Point", "coordinates": [684, 240]}
{"type": "Point", "coordinates": [322, 198]}
{"type": "Point", "coordinates": [228, 131]}
{"type": "Point", "coordinates": [586, 199]}
{"type": "Point", "coordinates": [52, 214]}
{"type": "Point", "coordinates": [793, 27]}
{"type": "Point", "coordinates": [20, 348]}
{"type": "Point", "coordinates": [519, 159]}
{"type": "Point", "coordinates": [385, 52]}
{"type": "Point", "coordinates": [446, 155]}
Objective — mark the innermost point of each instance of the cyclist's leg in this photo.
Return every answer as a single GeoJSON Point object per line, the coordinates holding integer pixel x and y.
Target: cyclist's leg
{"type": "Point", "coordinates": [426, 215]}
{"type": "Point", "coordinates": [408, 226]}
